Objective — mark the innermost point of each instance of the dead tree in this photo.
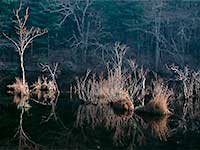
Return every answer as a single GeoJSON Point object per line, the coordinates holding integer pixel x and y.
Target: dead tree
{"type": "Point", "coordinates": [191, 89]}
{"type": "Point", "coordinates": [157, 19]}
{"type": "Point", "coordinates": [25, 36]}
{"type": "Point", "coordinates": [87, 28]}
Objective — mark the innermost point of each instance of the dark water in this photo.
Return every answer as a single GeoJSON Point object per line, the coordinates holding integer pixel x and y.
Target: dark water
{"type": "Point", "coordinates": [80, 126]}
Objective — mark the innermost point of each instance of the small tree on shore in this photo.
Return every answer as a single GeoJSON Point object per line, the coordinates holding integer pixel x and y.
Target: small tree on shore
{"type": "Point", "coordinates": [25, 36]}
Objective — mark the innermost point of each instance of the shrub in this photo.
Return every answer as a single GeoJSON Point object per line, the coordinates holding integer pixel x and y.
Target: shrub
{"type": "Point", "coordinates": [160, 102]}
{"type": "Point", "coordinates": [18, 88]}
{"type": "Point", "coordinates": [117, 87]}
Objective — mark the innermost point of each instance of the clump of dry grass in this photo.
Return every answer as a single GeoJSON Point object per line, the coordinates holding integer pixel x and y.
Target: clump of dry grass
{"type": "Point", "coordinates": [100, 89]}
{"type": "Point", "coordinates": [21, 94]}
{"type": "Point", "coordinates": [104, 90]}
{"type": "Point", "coordinates": [160, 102]}
{"type": "Point", "coordinates": [43, 85]}
{"type": "Point", "coordinates": [116, 87]}
{"type": "Point", "coordinates": [123, 102]}
{"type": "Point", "coordinates": [18, 88]}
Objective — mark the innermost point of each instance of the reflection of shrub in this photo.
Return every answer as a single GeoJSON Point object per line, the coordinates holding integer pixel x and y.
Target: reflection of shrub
{"type": "Point", "coordinates": [125, 127]}
{"type": "Point", "coordinates": [190, 104]}
{"type": "Point", "coordinates": [159, 103]}
{"type": "Point", "coordinates": [159, 127]}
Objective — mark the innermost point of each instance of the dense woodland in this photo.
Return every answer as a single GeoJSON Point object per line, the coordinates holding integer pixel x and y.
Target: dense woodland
{"type": "Point", "coordinates": [83, 32]}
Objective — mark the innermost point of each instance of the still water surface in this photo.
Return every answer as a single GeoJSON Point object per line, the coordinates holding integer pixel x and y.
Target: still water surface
{"type": "Point", "coordinates": [80, 126]}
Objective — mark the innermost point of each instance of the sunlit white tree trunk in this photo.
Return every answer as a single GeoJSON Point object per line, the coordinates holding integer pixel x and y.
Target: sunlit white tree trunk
{"type": "Point", "coordinates": [25, 37]}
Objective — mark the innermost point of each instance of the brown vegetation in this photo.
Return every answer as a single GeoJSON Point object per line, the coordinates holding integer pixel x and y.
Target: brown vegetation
{"type": "Point", "coordinates": [43, 85]}
{"type": "Point", "coordinates": [25, 36]}
{"type": "Point", "coordinates": [117, 87]}
{"type": "Point", "coordinates": [125, 126]}
{"type": "Point", "coordinates": [123, 102]}
{"type": "Point", "coordinates": [160, 102]}
{"type": "Point", "coordinates": [100, 90]}
{"type": "Point", "coordinates": [19, 88]}
{"type": "Point", "coordinates": [159, 127]}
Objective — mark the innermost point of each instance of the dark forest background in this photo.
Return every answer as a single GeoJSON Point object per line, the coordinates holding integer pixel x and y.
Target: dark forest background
{"type": "Point", "coordinates": [81, 33]}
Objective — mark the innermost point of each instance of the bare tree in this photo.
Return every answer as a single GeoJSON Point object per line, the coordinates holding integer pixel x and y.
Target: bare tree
{"type": "Point", "coordinates": [87, 28]}
{"type": "Point", "coordinates": [191, 90]}
{"type": "Point", "coordinates": [158, 10]}
{"type": "Point", "coordinates": [50, 96]}
{"type": "Point", "coordinates": [25, 36]}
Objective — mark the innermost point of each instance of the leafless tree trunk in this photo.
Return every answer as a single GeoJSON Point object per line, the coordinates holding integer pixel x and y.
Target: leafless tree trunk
{"type": "Point", "coordinates": [22, 67]}
{"type": "Point", "coordinates": [25, 37]}
{"type": "Point", "coordinates": [87, 31]}
{"type": "Point", "coordinates": [158, 10]}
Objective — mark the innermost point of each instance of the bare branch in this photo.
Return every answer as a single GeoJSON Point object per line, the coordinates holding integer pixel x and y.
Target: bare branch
{"type": "Point", "coordinates": [14, 42]}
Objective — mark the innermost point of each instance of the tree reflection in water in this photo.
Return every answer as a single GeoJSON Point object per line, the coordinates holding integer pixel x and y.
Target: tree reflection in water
{"type": "Point", "coordinates": [97, 124]}
{"type": "Point", "coordinates": [126, 126]}
{"type": "Point", "coordinates": [159, 127]}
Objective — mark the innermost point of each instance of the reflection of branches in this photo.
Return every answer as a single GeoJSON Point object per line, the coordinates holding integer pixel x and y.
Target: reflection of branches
{"type": "Point", "coordinates": [159, 127]}
{"type": "Point", "coordinates": [52, 72]}
{"type": "Point", "coordinates": [124, 125]}
{"type": "Point", "coordinates": [47, 91]}
{"type": "Point", "coordinates": [92, 115]}
{"type": "Point", "coordinates": [23, 137]}
{"type": "Point", "coordinates": [191, 89]}
{"type": "Point", "coordinates": [53, 110]}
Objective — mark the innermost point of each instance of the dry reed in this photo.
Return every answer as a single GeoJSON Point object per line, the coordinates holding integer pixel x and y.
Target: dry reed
{"type": "Point", "coordinates": [160, 102]}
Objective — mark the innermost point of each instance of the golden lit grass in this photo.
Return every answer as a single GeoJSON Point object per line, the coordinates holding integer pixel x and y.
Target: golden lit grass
{"type": "Point", "coordinates": [118, 86]}
{"type": "Point", "coordinates": [104, 90]}
{"type": "Point", "coordinates": [19, 88]}
{"type": "Point", "coordinates": [21, 94]}
{"type": "Point", "coordinates": [43, 85]}
{"type": "Point", "coordinates": [123, 102]}
{"type": "Point", "coordinates": [44, 90]}
{"type": "Point", "coordinates": [160, 102]}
